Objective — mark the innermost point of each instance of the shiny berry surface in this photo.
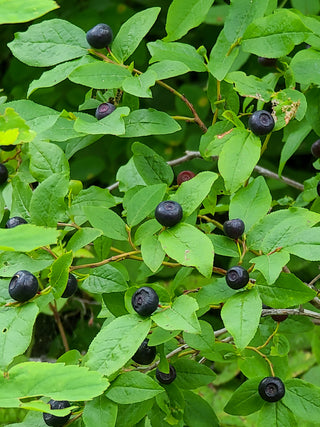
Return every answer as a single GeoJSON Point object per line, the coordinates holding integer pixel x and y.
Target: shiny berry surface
{"type": "Point", "coordinates": [185, 176]}
{"type": "Point", "coordinates": [271, 389]}
{"type": "Point", "coordinates": [53, 420]}
{"type": "Point", "coordinates": [3, 174]}
{"type": "Point", "coordinates": [237, 277]}
{"type": "Point", "coordinates": [104, 110]}
{"type": "Point", "coordinates": [234, 228]}
{"type": "Point", "coordinates": [99, 36]}
{"type": "Point", "coordinates": [145, 301]}
{"type": "Point", "coordinates": [14, 221]}
{"type": "Point", "coordinates": [168, 213]}
{"type": "Point", "coordinates": [261, 122]}
{"type": "Point", "coordinates": [23, 286]}
{"type": "Point", "coordinates": [71, 287]}
{"type": "Point", "coordinates": [164, 378]}
{"type": "Point", "coordinates": [145, 354]}
{"type": "Point", "coordinates": [315, 149]}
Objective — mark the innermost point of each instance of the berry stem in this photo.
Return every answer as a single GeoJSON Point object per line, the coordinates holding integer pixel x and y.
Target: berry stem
{"type": "Point", "coordinates": [265, 143]}
{"type": "Point", "coordinates": [270, 338]}
{"type": "Point", "coordinates": [264, 357]}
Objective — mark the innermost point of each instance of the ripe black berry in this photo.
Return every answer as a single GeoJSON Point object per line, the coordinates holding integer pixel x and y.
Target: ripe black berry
{"type": "Point", "coordinates": [7, 147]}
{"type": "Point", "coordinates": [99, 36]}
{"type": "Point", "coordinates": [318, 188]}
{"type": "Point", "coordinates": [271, 389]}
{"type": "Point", "coordinates": [3, 173]}
{"type": "Point", "coordinates": [71, 287]}
{"type": "Point", "coordinates": [104, 110]}
{"type": "Point", "coordinates": [168, 213]}
{"type": "Point", "coordinates": [185, 176]}
{"type": "Point", "coordinates": [315, 149]}
{"type": "Point", "coordinates": [166, 378]}
{"type": "Point", "coordinates": [267, 62]}
{"type": "Point", "coordinates": [234, 228]}
{"type": "Point", "coordinates": [276, 317]}
{"type": "Point", "coordinates": [261, 122]}
{"type": "Point", "coordinates": [237, 277]}
{"type": "Point", "coordinates": [14, 221]}
{"type": "Point", "coordinates": [145, 301]}
{"type": "Point", "coordinates": [145, 354]}
{"type": "Point", "coordinates": [23, 286]}
{"type": "Point", "coordinates": [53, 420]}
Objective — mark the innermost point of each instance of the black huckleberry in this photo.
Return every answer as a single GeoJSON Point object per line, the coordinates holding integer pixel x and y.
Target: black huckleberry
{"type": "Point", "coordinates": [261, 122]}
{"type": "Point", "coordinates": [100, 36]}
{"type": "Point", "coordinates": [145, 301]}
{"type": "Point", "coordinates": [3, 173]}
{"type": "Point", "coordinates": [14, 221]}
{"type": "Point", "coordinates": [237, 277]}
{"type": "Point", "coordinates": [104, 110]}
{"type": "Point", "coordinates": [145, 354]}
{"type": "Point", "coordinates": [318, 188]}
{"type": "Point", "coordinates": [271, 389]}
{"type": "Point", "coordinates": [234, 228]}
{"type": "Point", "coordinates": [23, 286]}
{"type": "Point", "coordinates": [164, 378]}
{"type": "Point", "coordinates": [276, 317]}
{"type": "Point", "coordinates": [267, 62]}
{"type": "Point", "coordinates": [168, 213]}
{"type": "Point", "coordinates": [7, 147]}
{"type": "Point", "coordinates": [71, 287]}
{"type": "Point", "coordinates": [185, 176]}
{"type": "Point", "coordinates": [315, 149]}
{"type": "Point", "coordinates": [53, 420]}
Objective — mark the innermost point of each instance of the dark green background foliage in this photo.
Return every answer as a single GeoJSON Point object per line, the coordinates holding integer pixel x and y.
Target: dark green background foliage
{"type": "Point", "coordinates": [184, 78]}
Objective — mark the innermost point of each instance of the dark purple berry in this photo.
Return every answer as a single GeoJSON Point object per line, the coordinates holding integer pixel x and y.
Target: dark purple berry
{"type": "Point", "coordinates": [3, 173]}
{"type": "Point", "coordinates": [315, 149]}
{"type": "Point", "coordinates": [168, 213]}
{"type": "Point", "coordinates": [237, 277]}
{"type": "Point", "coordinates": [23, 286]}
{"type": "Point", "coordinates": [53, 420]}
{"type": "Point", "coordinates": [14, 221]}
{"type": "Point", "coordinates": [267, 62]}
{"type": "Point", "coordinates": [145, 301]}
{"type": "Point", "coordinates": [164, 378]}
{"type": "Point", "coordinates": [185, 176]}
{"type": "Point", "coordinates": [271, 389]}
{"type": "Point", "coordinates": [261, 122]}
{"type": "Point", "coordinates": [71, 287]}
{"type": "Point", "coordinates": [234, 228]}
{"type": "Point", "coordinates": [275, 317]}
{"type": "Point", "coordinates": [104, 110]}
{"type": "Point", "coordinates": [100, 36]}
{"type": "Point", "coordinates": [145, 354]}
{"type": "Point", "coordinates": [7, 147]}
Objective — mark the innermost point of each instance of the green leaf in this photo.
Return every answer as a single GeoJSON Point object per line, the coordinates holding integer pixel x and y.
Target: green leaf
{"type": "Point", "coordinates": [214, 292]}
{"type": "Point", "coordinates": [116, 343]}
{"type": "Point", "coordinates": [181, 52]}
{"type": "Point", "coordinates": [189, 246]}
{"type": "Point", "coordinates": [14, 129]}
{"type": "Point", "coordinates": [46, 159]}
{"type": "Point", "coordinates": [223, 245]}
{"type": "Point", "coordinates": [302, 399]}
{"type": "Point", "coordinates": [305, 244]}
{"type": "Point", "coordinates": [305, 65]}
{"type": "Point", "coordinates": [288, 104]}
{"type": "Point", "coordinates": [198, 412]}
{"type": "Point", "coordinates": [149, 122]}
{"type": "Point", "coordinates": [20, 11]}
{"type": "Point", "coordinates": [250, 86]}
{"type": "Point", "coordinates": [40, 406]}
{"type": "Point", "coordinates": [191, 193]}
{"type": "Point", "coordinates": [47, 205]}
{"type": "Point", "coordinates": [258, 191]}
{"type": "Point", "coordinates": [191, 374]}
{"type": "Point", "coordinates": [204, 342]}
{"type": "Point", "coordinates": [100, 75]}
{"type": "Point", "coordinates": [221, 49]}
{"type": "Point", "coordinates": [184, 15]}
{"type": "Point", "coordinates": [109, 125]}
{"type": "Point", "coordinates": [160, 336]}
{"type": "Point", "coordinates": [167, 68]}
{"type": "Point", "coordinates": [246, 399]}
{"type": "Point", "coordinates": [274, 35]}
{"type": "Point", "coordinates": [16, 326]}
{"type": "Point", "coordinates": [11, 262]}
{"type": "Point", "coordinates": [241, 315]}
{"type": "Point", "coordinates": [100, 412]}
{"type": "Point", "coordinates": [132, 32]}
{"type": "Point", "coordinates": [286, 291]}
{"type": "Point", "coordinates": [180, 316]}
{"type": "Point", "coordinates": [105, 279]}
{"type": "Point", "coordinates": [152, 252]}
{"type": "Point", "coordinates": [146, 229]}
{"type": "Point", "coordinates": [238, 157]}
{"type": "Point", "coordinates": [27, 237]}
{"type": "Point", "coordinates": [106, 220]}
{"type": "Point", "coordinates": [150, 166]}
{"type": "Point", "coordinates": [143, 202]}
{"type": "Point", "coordinates": [81, 238]}
{"type": "Point", "coordinates": [48, 43]}
{"type": "Point", "coordinates": [133, 387]}
{"type": "Point", "coordinates": [57, 74]}
{"type": "Point", "coordinates": [278, 413]}
{"type": "Point", "coordinates": [54, 380]}
{"type": "Point", "coordinates": [21, 197]}
{"type": "Point", "coordinates": [59, 274]}
{"type": "Point", "coordinates": [213, 140]}
{"type": "Point", "coordinates": [271, 265]}
{"type": "Point", "coordinates": [280, 228]}
{"type": "Point", "coordinates": [140, 85]}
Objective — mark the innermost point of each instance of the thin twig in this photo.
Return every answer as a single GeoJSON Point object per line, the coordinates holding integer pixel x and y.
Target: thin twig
{"type": "Point", "coordinates": [105, 261]}
{"type": "Point", "coordinates": [57, 319]}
